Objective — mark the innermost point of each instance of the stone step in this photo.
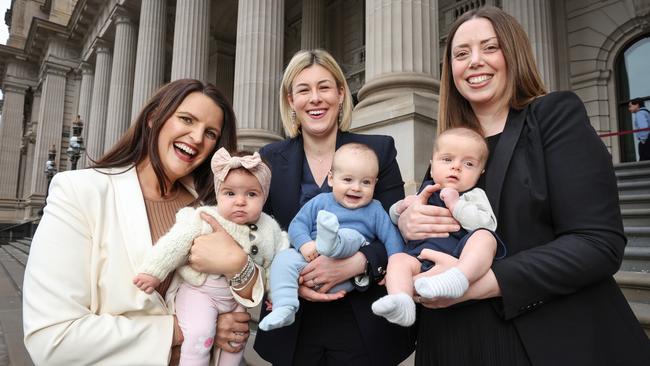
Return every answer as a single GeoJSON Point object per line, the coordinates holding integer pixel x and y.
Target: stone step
{"type": "Point", "coordinates": [16, 253]}
{"type": "Point", "coordinates": [628, 201]}
{"type": "Point", "coordinates": [635, 286]}
{"type": "Point", "coordinates": [636, 217]}
{"type": "Point", "coordinates": [633, 165]}
{"type": "Point", "coordinates": [20, 246]}
{"type": "Point", "coordinates": [12, 266]}
{"type": "Point", "coordinates": [634, 175]}
{"type": "Point", "coordinates": [642, 313]}
{"type": "Point", "coordinates": [26, 241]}
{"type": "Point", "coordinates": [636, 259]}
{"type": "Point", "coordinates": [637, 231]}
{"type": "Point", "coordinates": [625, 188]}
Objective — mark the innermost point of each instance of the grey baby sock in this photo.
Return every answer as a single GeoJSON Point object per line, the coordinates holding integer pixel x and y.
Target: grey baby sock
{"type": "Point", "coordinates": [397, 308]}
{"type": "Point", "coordinates": [452, 283]}
{"type": "Point", "coordinates": [279, 317]}
{"type": "Point", "coordinates": [327, 228]}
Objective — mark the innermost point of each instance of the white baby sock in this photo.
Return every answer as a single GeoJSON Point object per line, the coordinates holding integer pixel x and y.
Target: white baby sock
{"type": "Point", "coordinates": [451, 283]}
{"type": "Point", "coordinates": [327, 228]}
{"type": "Point", "coordinates": [397, 308]}
{"type": "Point", "coordinates": [278, 318]}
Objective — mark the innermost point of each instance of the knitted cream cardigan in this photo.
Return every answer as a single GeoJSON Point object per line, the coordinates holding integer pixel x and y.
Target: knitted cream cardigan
{"type": "Point", "coordinates": [172, 249]}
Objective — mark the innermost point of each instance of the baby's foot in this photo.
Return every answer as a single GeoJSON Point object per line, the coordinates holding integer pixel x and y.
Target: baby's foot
{"type": "Point", "coordinates": [398, 309]}
{"type": "Point", "coordinates": [452, 284]}
{"type": "Point", "coordinates": [327, 228]}
{"type": "Point", "coordinates": [281, 316]}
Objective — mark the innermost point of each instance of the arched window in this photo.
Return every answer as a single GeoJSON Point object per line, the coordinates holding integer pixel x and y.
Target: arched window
{"type": "Point", "coordinates": [632, 81]}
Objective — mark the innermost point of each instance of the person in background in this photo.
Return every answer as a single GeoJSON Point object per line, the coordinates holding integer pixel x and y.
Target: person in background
{"type": "Point", "coordinates": [641, 120]}
{"type": "Point", "coordinates": [79, 304]}
{"type": "Point", "coordinates": [338, 328]}
{"type": "Point", "coordinates": [552, 300]}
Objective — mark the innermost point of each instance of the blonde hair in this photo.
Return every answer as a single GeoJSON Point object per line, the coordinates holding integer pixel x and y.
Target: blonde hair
{"type": "Point", "coordinates": [523, 81]}
{"type": "Point", "coordinates": [300, 61]}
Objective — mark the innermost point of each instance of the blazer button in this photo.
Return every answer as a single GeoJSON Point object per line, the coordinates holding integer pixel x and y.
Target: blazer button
{"type": "Point", "coordinates": [254, 250]}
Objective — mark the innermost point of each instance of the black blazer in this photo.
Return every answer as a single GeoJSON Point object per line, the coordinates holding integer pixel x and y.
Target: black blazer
{"type": "Point", "coordinates": [552, 187]}
{"type": "Point", "coordinates": [387, 344]}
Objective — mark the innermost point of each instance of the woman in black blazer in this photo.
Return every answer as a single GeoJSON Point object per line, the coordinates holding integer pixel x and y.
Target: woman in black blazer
{"type": "Point", "coordinates": [550, 180]}
{"type": "Point", "coordinates": [330, 329]}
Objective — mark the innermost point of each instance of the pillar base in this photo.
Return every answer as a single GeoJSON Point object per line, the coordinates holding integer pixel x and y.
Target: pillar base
{"type": "Point", "coordinates": [411, 119]}
{"type": "Point", "coordinates": [254, 139]}
{"type": "Point", "coordinates": [32, 206]}
{"type": "Point", "coordinates": [9, 211]}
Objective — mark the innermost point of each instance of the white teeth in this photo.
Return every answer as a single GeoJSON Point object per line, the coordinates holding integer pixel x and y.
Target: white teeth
{"type": "Point", "coordinates": [479, 79]}
{"type": "Point", "coordinates": [316, 113]}
{"type": "Point", "coordinates": [185, 148]}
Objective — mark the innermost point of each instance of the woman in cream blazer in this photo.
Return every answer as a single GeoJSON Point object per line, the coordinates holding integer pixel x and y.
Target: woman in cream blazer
{"type": "Point", "coordinates": [79, 305]}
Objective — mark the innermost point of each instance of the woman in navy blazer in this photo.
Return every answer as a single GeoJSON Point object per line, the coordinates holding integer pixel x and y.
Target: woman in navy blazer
{"type": "Point", "coordinates": [330, 329]}
{"type": "Point", "coordinates": [552, 300]}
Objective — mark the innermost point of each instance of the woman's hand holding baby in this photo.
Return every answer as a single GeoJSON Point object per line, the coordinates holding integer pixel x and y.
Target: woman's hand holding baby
{"type": "Point", "coordinates": [420, 220]}
{"type": "Point", "coordinates": [217, 252]}
{"type": "Point", "coordinates": [483, 288]}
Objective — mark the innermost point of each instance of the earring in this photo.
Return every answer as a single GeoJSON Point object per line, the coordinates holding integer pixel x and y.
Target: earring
{"type": "Point", "coordinates": [340, 112]}
{"type": "Point", "coordinates": [292, 115]}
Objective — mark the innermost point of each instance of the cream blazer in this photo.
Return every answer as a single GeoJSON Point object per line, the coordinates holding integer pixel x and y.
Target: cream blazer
{"type": "Point", "coordinates": [80, 306]}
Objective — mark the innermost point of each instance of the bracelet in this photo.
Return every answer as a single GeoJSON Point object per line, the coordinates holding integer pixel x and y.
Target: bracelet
{"type": "Point", "coordinates": [239, 281]}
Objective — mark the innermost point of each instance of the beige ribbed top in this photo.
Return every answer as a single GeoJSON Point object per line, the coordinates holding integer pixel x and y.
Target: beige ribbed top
{"type": "Point", "coordinates": [161, 213]}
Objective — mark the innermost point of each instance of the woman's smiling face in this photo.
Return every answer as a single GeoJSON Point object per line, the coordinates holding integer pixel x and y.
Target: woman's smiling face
{"type": "Point", "coordinates": [477, 63]}
{"type": "Point", "coordinates": [316, 99]}
{"type": "Point", "coordinates": [189, 136]}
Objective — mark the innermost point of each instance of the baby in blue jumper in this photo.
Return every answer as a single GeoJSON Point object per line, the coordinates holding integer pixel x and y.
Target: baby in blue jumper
{"type": "Point", "coordinates": [333, 224]}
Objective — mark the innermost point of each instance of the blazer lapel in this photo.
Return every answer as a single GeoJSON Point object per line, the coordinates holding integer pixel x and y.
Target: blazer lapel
{"type": "Point", "coordinates": [133, 221]}
{"type": "Point", "coordinates": [290, 169]}
{"type": "Point", "coordinates": [502, 155]}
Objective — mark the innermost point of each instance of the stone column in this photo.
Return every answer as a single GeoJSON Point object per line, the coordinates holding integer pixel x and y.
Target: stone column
{"type": "Point", "coordinates": [150, 58]}
{"type": "Point", "coordinates": [29, 140]}
{"type": "Point", "coordinates": [85, 98]}
{"type": "Point", "coordinates": [50, 126]}
{"type": "Point", "coordinates": [312, 33]}
{"type": "Point", "coordinates": [535, 17]}
{"type": "Point", "coordinates": [258, 71]}
{"type": "Point", "coordinates": [118, 117]}
{"type": "Point", "coordinates": [222, 67]}
{"type": "Point", "coordinates": [96, 124]}
{"type": "Point", "coordinates": [11, 129]}
{"type": "Point", "coordinates": [191, 40]}
{"type": "Point", "coordinates": [401, 77]}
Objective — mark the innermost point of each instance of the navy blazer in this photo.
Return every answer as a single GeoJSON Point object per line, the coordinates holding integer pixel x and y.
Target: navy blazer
{"type": "Point", "coordinates": [386, 343]}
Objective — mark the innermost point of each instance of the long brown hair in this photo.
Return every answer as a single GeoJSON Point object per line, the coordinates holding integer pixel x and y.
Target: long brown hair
{"type": "Point", "coordinates": [523, 82]}
{"type": "Point", "coordinates": [141, 139]}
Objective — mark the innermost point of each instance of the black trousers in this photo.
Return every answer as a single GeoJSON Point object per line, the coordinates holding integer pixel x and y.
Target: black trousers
{"type": "Point", "coordinates": [644, 150]}
{"type": "Point", "coordinates": [329, 336]}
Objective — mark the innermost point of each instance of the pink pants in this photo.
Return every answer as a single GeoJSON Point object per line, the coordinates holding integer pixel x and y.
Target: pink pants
{"type": "Point", "coordinates": [197, 309]}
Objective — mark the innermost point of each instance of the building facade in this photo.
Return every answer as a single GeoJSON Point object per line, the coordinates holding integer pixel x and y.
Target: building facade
{"type": "Point", "coordinates": [102, 59]}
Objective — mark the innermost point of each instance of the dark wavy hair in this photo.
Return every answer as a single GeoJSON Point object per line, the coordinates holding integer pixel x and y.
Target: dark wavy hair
{"type": "Point", "coordinates": [141, 139]}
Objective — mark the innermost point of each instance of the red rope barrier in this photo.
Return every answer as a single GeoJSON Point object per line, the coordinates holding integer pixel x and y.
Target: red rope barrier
{"type": "Point", "coordinates": [623, 132]}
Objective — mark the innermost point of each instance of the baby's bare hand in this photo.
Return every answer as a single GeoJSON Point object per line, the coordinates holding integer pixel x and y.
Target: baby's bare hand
{"type": "Point", "coordinates": [145, 282]}
{"type": "Point", "coordinates": [308, 250]}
